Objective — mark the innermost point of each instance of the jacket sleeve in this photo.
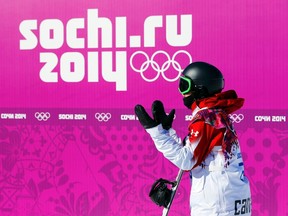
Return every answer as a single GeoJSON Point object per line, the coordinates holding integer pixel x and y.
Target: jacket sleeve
{"type": "Point", "coordinates": [171, 146]}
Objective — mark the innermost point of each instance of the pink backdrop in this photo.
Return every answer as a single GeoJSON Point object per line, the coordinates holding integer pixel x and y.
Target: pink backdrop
{"type": "Point", "coordinates": [69, 140]}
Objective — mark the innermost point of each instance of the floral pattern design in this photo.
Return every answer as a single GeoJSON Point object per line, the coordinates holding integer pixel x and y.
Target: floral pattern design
{"type": "Point", "coordinates": [56, 170]}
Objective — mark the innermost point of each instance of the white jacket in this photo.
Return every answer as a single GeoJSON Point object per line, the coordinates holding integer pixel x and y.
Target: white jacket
{"type": "Point", "coordinates": [217, 189]}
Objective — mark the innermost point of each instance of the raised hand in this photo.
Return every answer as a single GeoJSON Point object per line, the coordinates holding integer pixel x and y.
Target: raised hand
{"type": "Point", "coordinates": [145, 120]}
{"type": "Point", "coordinates": [160, 115]}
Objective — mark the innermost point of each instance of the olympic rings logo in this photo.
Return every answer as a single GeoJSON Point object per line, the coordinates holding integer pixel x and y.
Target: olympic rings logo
{"type": "Point", "coordinates": [103, 116]}
{"type": "Point", "coordinates": [41, 116]}
{"type": "Point", "coordinates": [236, 117]}
{"type": "Point", "coordinates": [156, 67]}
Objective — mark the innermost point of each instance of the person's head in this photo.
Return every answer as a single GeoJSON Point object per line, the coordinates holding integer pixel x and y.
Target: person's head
{"type": "Point", "coordinates": [200, 80]}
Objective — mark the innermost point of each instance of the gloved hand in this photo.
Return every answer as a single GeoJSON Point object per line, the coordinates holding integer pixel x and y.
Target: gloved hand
{"type": "Point", "coordinates": [160, 116]}
{"type": "Point", "coordinates": [145, 120]}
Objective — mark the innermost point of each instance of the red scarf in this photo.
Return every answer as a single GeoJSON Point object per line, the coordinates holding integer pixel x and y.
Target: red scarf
{"type": "Point", "coordinates": [226, 101]}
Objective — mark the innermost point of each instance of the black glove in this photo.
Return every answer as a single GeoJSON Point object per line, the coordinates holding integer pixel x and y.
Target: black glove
{"type": "Point", "coordinates": [160, 116]}
{"type": "Point", "coordinates": [145, 120]}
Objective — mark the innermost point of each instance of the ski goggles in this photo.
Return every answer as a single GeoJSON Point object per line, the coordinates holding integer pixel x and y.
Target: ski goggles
{"type": "Point", "coordinates": [186, 85]}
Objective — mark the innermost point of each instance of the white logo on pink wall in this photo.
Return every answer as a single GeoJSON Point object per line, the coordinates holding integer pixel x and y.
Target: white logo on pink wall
{"type": "Point", "coordinates": [102, 51]}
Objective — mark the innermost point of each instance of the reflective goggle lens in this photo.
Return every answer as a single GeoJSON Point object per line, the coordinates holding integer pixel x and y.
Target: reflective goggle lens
{"type": "Point", "coordinates": [185, 85]}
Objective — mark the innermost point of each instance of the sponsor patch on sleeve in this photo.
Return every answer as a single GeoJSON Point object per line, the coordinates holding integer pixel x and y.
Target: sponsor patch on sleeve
{"type": "Point", "coordinates": [195, 131]}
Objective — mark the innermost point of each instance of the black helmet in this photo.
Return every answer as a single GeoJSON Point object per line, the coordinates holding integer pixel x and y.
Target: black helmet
{"type": "Point", "coordinates": [201, 78]}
